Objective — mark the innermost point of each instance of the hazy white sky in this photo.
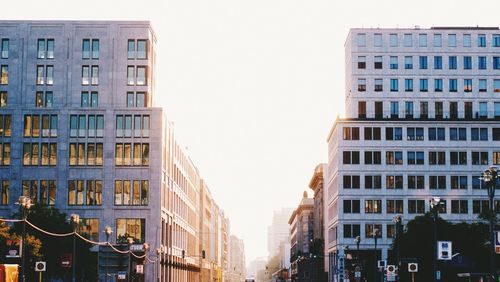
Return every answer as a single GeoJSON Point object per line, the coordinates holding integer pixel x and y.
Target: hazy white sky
{"type": "Point", "coordinates": [254, 86]}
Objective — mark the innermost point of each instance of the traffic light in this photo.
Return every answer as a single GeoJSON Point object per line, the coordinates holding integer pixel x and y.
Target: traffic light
{"type": "Point", "coordinates": [183, 254]}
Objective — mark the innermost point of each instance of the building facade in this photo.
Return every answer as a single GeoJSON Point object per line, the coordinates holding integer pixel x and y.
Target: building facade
{"type": "Point", "coordinates": [421, 121]}
{"type": "Point", "coordinates": [236, 272]}
{"type": "Point", "coordinates": [278, 231]}
{"type": "Point", "coordinates": [318, 243]}
{"type": "Point", "coordinates": [302, 267]}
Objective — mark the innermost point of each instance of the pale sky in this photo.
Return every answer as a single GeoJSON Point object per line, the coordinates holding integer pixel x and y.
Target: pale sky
{"type": "Point", "coordinates": [254, 86]}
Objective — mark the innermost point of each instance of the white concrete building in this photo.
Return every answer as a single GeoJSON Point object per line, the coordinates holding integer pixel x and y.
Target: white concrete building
{"type": "Point", "coordinates": [422, 111]}
{"type": "Point", "coordinates": [279, 229]}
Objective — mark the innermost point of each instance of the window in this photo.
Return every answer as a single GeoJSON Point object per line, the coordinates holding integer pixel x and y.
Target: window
{"type": "Point", "coordinates": [459, 206]}
{"type": "Point", "coordinates": [391, 230]}
{"type": "Point", "coordinates": [373, 157]}
{"type": "Point", "coordinates": [407, 38]}
{"type": "Point", "coordinates": [373, 206]}
{"type": "Point", "coordinates": [130, 75]}
{"type": "Point", "coordinates": [5, 154]}
{"type": "Point", "coordinates": [86, 126]}
{"type": "Point", "coordinates": [372, 133]}
{"type": "Point", "coordinates": [361, 62]}
{"type": "Point", "coordinates": [370, 230]}
{"type": "Point", "coordinates": [458, 158]}
{"type": "Point", "coordinates": [415, 133]}
{"type": "Point", "coordinates": [468, 110]}
{"type": "Point", "coordinates": [453, 110]}
{"type": "Point", "coordinates": [483, 109]}
{"type": "Point", "coordinates": [495, 132]}
{"type": "Point", "coordinates": [477, 182]}
{"type": "Point", "coordinates": [136, 99]}
{"type": "Point", "coordinates": [458, 182]}
{"type": "Point", "coordinates": [361, 39]}
{"type": "Point", "coordinates": [90, 49]}
{"type": "Point", "coordinates": [495, 40]}
{"type": "Point", "coordinates": [416, 182]}
{"type": "Point", "coordinates": [496, 85]}
{"type": "Point", "coordinates": [140, 126]}
{"type": "Point", "coordinates": [40, 191]}
{"type": "Point", "coordinates": [394, 206]}
{"type": "Point", "coordinates": [33, 123]}
{"type": "Point", "coordinates": [424, 85]}
{"type": "Point", "coordinates": [458, 134]}
{"type": "Point", "coordinates": [438, 85]}
{"type": "Point", "coordinates": [46, 78]}
{"type": "Point", "coordinates": [416, 206]}
{"type": "Point", "coordinates": [85, 154]}
{"type": "Point", "coordinates": [480, 158]}
{"type": "Point", "coordinates": [452, 40]}
{"type": "Point", "coordinates": [394, 182]}
{"type": "Point", "coordinates": [415, 158]}
{"type": "Point", "coordinates": [136, 75]}
{"type": "Point", "coordinates": [89, 99]}
{"type": "Point", "coordinates": [394, 157]}
{"type": "Point", "coordinates": [423, 62]}
{"type": "Point", "coordinates": [361, 84]}
{"type": "Point", "coordinates": [438, 110]}
{"type": "Point", "coordinates": [135, 154]}
{"type": "Point", "coordinates": [393, 133]}
{"type": "Point", "coordinates": [89, 228]}
{"type": "Point", "coordinates": [351, 182]}
{"type": "Point", "coordinates": [3, 99]}
{"type": "Point", "coordinates": [479, 134]}
{"type": "Point", "coordinates": [373, 182]}
{"type": "Point", "coordinates": [408, 84]}
{"type": "Point", "coordinates": [453, 85]}
{"type": "Point", "coordinates": [393, 62]}
{"type": "Point", "coordinates": [45, 49]}
{"type": "Point", "coordinates": [137, 49]}
{"type": "Point", "coordinates": [437, 158]}
{"type": "Point", "coordinates": [351, 133]}
{"type": "Point", "coordinates": [467, 62]}
{"type": "Point", "coordinates": [90, 75]}
{"type": "Point", "coordinates": [422, 40]}
{"type": "Point", "coordinates": [134, 228]}
{"type": "Point", "coordinates": [467, 85]}
{"type": "Point", "coordinates": [351, 206]}
{"type": "Point", "coordinates": [467, 40]}
{"type": "Point", "coordinates": [408, 62]}
{"type": "Point", "coordinates": [4, 74]}
{"type": "Point", "coordinates": [44, 99]}
{"type": "Point", "coordinates": [352, 230]}
{"type": "Point", "coordinates": [4, 48]}
{"type": "Point", "coordinates": [378, 62]}
{"type": "Point", "coordinates": [394, 85]}
{"type": "Point", "coordinates": [496, 63]}
{"type": "Point", "coordinates": [85, 192]}
{"type": "Point", "coordinates": [351, 157]}
{"type": "Point", "coordinates": [437, 182]}
{"type": "Point", "coordinates": [5, 125]}
{"type": "Point", "coordinates": [4, 192]}
{"type": "Point", "coordinates": [378, 85]}
{"type": "Point", "coordinates": [452, 62]}
{"type": "Point", "coordinates": [393, 40]}
{"type": "Point", "coordinates": [132, 192]}
{"type": "Point", "coordinates": [377, 40]}
{"type": "Point", "coordinates": [480, 206]}
{"type": "Point", "coordinates": [438, 62]}
{"type": "Point", "coordinates": [481, 63]}
{"type": "Point", "coordinates": [361, 109]}
{"type": "Point", "coordinates": [481, 40]}
{"type": "Point", "coordinates": [424, 109]}
{"type": "Point", "coordinates": [438, 41]}
{"type": "Point", "coordinates": [40, 154]}
{"type": "Point", "coordinates": [483, 85]}
{"type": "Point", "coordinates": [394, 109]}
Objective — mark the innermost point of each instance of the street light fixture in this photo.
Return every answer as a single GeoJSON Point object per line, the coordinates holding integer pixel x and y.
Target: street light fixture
{"type": "Point", "coordinates": [25, 204]}
{"type": "Point", "coordinates": [130, 241]}
{"type": "Point", "coordinates": [75, 220]}
{"type": "Point", "coordinates": [107, 231]}
{"type": "Point", "coordinates": [434, 203]}
{"type": "Point", "coordinates": [398, 220]}
{"type": "Point", "coordinates": [357, 240]}
{"type": "Point", "coordinates": [158, 262]}
{"type": "Point", "coordinates": [375, 234]}
{"type": "Point", "coordinates": [490, 176]}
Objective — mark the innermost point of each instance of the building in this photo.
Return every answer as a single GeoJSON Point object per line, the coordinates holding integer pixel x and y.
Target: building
{"type": "Point", "coordinates": [278, 231]}
{"type": "Point", "coordinates": [316, 184]}
{"type": "Point", "coordinates": [236, 272]}
{"type": "Point", "coordinates": [421, 121]}
{"type": "Point", "coordinates": [80, 130]}
{"type": "Point", "coordinates": [301, 223]}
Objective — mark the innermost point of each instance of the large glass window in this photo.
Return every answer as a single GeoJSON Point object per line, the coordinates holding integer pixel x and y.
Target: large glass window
{"type": "Point", "coordinates": [134, 228]}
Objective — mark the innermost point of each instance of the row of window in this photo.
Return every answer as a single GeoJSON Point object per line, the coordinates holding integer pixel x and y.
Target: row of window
{"type": "Point", "coordinates": [395, 181]}
{"type": "Point", "coordinates": [378, 85]}
{"type": "Point", "coordinates": [85, 192]}
{"type": "Point", "coordinates": [43, 154]}
{"type": "Point", "coordinates": [137, 75]}
{"type": "Point", "coordinates": [132, 154]}
{"type": "Point", "coordinates": [131, 192]}
{"type": "Point", "coordinates": [40, 126]}
{"type": "Point", "coordinates": [40, 191]}
{"type": "Point", "coordinates": [425, 113]}
{"type": "Point", "coordinates": [437, 40]}
{"type": "Point", "coordinates": [418, 157]}
{"type": "Point", "coordinates": [85, 154]}
{"type": "Point", "coordinates": [140, 126]}
{"type": "Point", "coordinates": [396, 206]}
{"type": "Point", "coordinates": [417, 133]}
{"type": "Point", "coordinates": [86, 126]}
{"type": "Point", "coordinates": [437, 62]}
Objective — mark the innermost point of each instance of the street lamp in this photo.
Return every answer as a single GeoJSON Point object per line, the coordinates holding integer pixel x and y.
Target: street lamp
{"type": "Point", "coordinates": [130, 241]}
{"type": "Point", "coordinates": [25, 204]}
{"type": "Point", "coordinates": [145, 246]}
{"type": "Point", "coordinates": [107, 231]}
{"type": "Point", "coordinates": [375, 234]}
{"type": "Point", "coordinates": [75, 220]}
{"type": "Point", "coordinates": [398, 221]}
{"type": "Point", "coordinates": [490, 176]}
{"type": "Point", "coordinates": [158, 253]}
{"type": "Point", "coordinates": [357, 240]}
{"type": "Point", "coordinates": [434, 203]}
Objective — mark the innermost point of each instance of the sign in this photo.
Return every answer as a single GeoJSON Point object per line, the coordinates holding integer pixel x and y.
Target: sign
{"type": "Point", "coordinates": [341, 267]}
{"type": "Point", "coordinates": [40, 266]}
{"type": "Point", "coordinates": [391, 269]}
{"type": "Point", "coordinates": [391, 277]}
{"type": "Point", "coordinates": [122, 275]}
{"type": "Point", "coordinates": [14, 247]}
{"type": "Point", "coordinates": [438, 275]}
{"type": "Point", "coordinates": [444, 250]}
{"type": "Point", "coordinates": [139, 269]}
{"type": "Point", "coordinates": [413, 267]}
{"type": "Point", "coordinates": [137, 247]}
{"type": "Point", "coordinates": [66, 260]}
{"type": "Point", "coordinates": [381, 263]}
{"type": "Point", "coordinates": [497, 243]}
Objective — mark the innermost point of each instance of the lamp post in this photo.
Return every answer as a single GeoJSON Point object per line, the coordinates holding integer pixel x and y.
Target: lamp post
{"type": "Point", "coordinates": [158, 253]}
{"type": "Point", "coordinates": [25, 204]}
{"type": "Point", "coordinates": [145, 246]}
{"type": "Point", "coordinates": [107, 231]}
{"type": "Point", "coordinates": [434, 203]}
{"type": "Point", "coordinates": [130, 241]}
{"type": "Point", "coordinates": [375, 234]}
{"type": "Point", "coordinates": [357, 240]}
{"type": "Point", "coordinates": [490, 176]}
{"type": "Point", "coordinates": [398, 221]}
{"type": "Point", "coordinates": [75, 220]}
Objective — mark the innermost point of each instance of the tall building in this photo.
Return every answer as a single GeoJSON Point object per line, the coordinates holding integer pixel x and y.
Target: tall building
{"type": "Point", "coordinates": [278, 231]}
{"type": "Point", "coordinates": [421, 121]}
{"type": "Point", "coordinates": [236, 272]}
{"type": "Point", "coordinates": [301, 223]}
{"type": "Point", "coordinates": [318, 244]}
{"type": "Point", "coordinates": [80, 130]}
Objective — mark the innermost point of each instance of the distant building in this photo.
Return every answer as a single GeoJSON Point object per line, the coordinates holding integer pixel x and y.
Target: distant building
{"type": "Point", "coordinates": [255, 266]}
{"type": "Point", "coordinates": [237, 271]}
{"type": "Point", "coordinates": [301, 235]}
{"type": "Point", "coordinates": [278, 231]}
{"type": "Point", "coordinates": [318, 244]}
